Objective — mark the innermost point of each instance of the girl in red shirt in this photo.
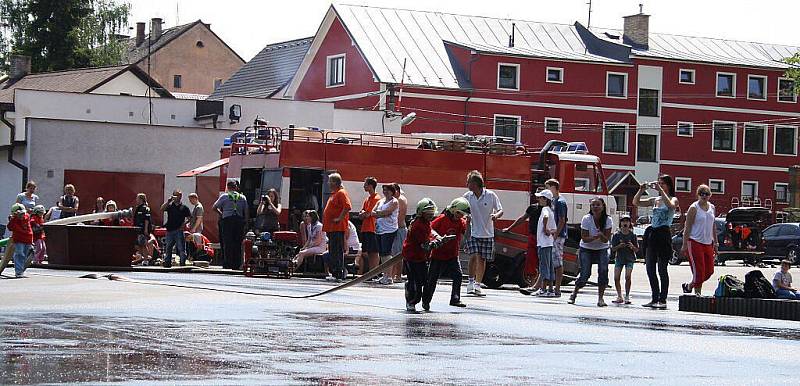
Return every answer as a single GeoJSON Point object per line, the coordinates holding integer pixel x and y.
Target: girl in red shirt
{"type": "Point", "coordinates": [37, 227]}
{"type": "Point", "coordinates": [19, 223]}
{"type": "Point", "coordinates": [417, 250]}
{"type": "Point", "coordinates": [444, 260]}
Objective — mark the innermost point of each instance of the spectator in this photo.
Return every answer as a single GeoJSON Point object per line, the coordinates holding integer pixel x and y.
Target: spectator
{"type": "Point", "coordinates": [595, 233]}
{"type": "Point", "coordinates": [485, 208]}
{"type": "Point", "coordinates": [545, 237]}
{"type": "Point", "coordinates": [53, 213]}
{"type": "Point", "coordinates": [232, 208]}
{"type": "Point", "coordinates": [352, 247]}
{"type": "Point", "coordinates": [99, 205]}
{"type": "Point", "coordinates": [177, 215]}
{"type": "Point", "coordinates": [402, 231]}
{"type": "Point", "coordinates": [782, 281]}
{"type": "Point", "coordinates": [268, 212]}
{"type": "Point", "coordinates": [531, 269]}
{"type": "Point", "coordinates": [625, 246]}
{"type": "Point", "coordinates": [560, 212]}
{"type": "Point", "coordinates": [700, 240]}
{"type": "Point", "coordinates": [444, 260]}
{"type": "Point", "coordinates": [387, 212]}
{"type": "Point", "coordinates": [315, 243]}
{"type": "Point", "coordinates": [28, 198]}
{"type": "Point", "coordinates": [19, 223]}
{"type": "Point", "coordinates": [37, 227]}
{"type": "Point", "coordinates": [369, 238]}
{"type": "Point", "coordinates": [335, 219]}
{"type": "Point", "coordinates": [142, 219]}
{"type": "Point", "coordinates": [196, 222]}
{"type": "Point", "coordinates": [658, 237]}
{"type": "Point", "coordinates": [68, 203]}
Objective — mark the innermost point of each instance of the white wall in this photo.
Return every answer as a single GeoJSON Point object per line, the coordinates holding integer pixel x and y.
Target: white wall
{"type": "Point", "coordinates": [102, 108]}
{"type": "Point", "coordinates": [358, 120]}
{"type": "Point", "coordinates": [649, 77]}
{"type": "Point", "coordinates": [5, 131]}
{"type": "Point", "coordinates": [126, 83]}
{"type": "Point", "coordinates": [10, 182]}
{"type": "Point", "coordinates": [56, 145]}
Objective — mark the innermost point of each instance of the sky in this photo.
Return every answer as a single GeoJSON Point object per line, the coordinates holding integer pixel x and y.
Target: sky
{"type": "Point", "coordinates": [249, 25]}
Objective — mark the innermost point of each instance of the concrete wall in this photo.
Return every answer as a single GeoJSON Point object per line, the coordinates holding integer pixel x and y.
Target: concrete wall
{"type": "Point", "coordinates": [56, 145]}
{"type": "Point", "coordinates": [10, 181]}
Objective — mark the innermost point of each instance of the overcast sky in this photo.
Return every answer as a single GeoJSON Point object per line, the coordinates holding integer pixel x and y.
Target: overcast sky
{"type": "Point", "coordinates": [249, 25]}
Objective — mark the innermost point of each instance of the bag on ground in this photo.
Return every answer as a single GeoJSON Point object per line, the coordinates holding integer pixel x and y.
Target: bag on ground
{"type": "Point", "coordinates": [730, 287]}
{"type": "Point", "coordinates": [757, 286]}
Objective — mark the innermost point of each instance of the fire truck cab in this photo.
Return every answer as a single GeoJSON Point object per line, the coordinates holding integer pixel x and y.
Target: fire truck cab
{"type": "Point", "coordinates": [297, 161]}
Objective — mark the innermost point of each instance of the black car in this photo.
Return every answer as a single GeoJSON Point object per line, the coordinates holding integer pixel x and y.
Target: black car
{"type": "Point", "coordinates": [782, 241]}
{"type": "Point", "coordinates": [677, 242]}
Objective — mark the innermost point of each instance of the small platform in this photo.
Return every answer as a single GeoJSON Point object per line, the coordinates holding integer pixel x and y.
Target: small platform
{"type": "Point", "coordinates": [754, 308]}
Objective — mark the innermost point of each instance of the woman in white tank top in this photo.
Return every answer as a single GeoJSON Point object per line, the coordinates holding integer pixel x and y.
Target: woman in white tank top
{"type": "Point", "coordinates": [386, 226]}
{"type": "Point", "coordinates": [700, 243]}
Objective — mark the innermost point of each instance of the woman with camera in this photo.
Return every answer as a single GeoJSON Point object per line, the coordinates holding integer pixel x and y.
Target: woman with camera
{"type": "Point", "coordinates": [658, 237]}
{"type": "Point", "coordinates": [269, 208]}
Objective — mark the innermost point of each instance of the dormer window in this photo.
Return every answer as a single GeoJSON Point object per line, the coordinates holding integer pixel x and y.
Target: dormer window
{"type": "Point", "coordinates": [555, 75]}
{"type": "Point", "coordinates": [508, 76]}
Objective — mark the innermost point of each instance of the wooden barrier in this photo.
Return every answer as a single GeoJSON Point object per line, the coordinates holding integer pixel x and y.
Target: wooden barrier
{"type": "Point", "coordinates": [753, 308]}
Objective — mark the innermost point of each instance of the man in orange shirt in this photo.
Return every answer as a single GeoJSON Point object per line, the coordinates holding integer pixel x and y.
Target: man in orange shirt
{"type": "Point", "coordinates": [369, 239]}
{"type": "Point", "coordinates": [334, 223]}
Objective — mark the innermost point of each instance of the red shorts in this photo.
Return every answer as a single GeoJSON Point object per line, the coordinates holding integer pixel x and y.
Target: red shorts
{"type": "Point", "coordinates": [532, 257]}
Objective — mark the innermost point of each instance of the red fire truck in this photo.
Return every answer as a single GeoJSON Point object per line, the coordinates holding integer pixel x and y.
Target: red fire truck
{"type": "Point", "coordinates": [297, 161]}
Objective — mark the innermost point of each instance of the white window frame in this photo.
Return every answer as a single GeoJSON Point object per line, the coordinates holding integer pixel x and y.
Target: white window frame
{"type": "Point", "coordinates": [560, 125]}
{"type": "Point", "coordinates": [516, 65]}
{"type": "Point", "coordinates": [547, 75]}
{"type": "Point", "coordinates": [624, 86]}
{"type": "Point", "coordinates": [588, 183]}
{"type": "Point", "coordinates": [688, 184]}
{"type": "Point", "coordinates": [721, 182]}
{"type": "Point", "coordinates": [734, 139]}
{"type": "Point", "coordinates": [519, 124]}
{"type": "Point", "coordinates": [626, 126]}
{"type": "Point", "coordinates": [794, 95]}
{"type": "Point", "coordinates": [733, 84]}
{"type": "Point", "coordinates": [744, 138]}
{"type": "Point", "coordinates": [775, 186]}
{"type": "Point", "coordinates": [694, 74]}
{"type": "Point", "coordinates": [691, 128]}
{"type": "Point", "coordinates": [775, 140]}
{"type": "Point", "coordinates": [765, 87]}
{"type": "Point", "coordinates": [328, 70]}
{"type": "Point", "coordinates": [755, 190]}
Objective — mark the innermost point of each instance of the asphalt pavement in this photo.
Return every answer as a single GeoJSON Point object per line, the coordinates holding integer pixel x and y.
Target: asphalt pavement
{"type": "Point", "coordinates": [190, 328]}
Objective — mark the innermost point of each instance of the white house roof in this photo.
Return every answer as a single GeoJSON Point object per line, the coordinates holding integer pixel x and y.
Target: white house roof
{"type": "Point", "coordinates": [387, 36]}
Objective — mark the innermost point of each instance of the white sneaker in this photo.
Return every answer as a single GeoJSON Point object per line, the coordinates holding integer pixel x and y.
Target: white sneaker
{"type": "Point", "coordinates": [330, 278]}
{"type": "Point", "coordinates": [386, 280]}
{"type": "Point", "coordinates": [478, 291]}
{"type": "Point", "coordinates": [541, 292]}
{"type": "Point", "coordinates": [471, 288]}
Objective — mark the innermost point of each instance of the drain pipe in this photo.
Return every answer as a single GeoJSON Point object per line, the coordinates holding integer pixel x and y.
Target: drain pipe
{"type": "Point", "coordinates": [11, 159]}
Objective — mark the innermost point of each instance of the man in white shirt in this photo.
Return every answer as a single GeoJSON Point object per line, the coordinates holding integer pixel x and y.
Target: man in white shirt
{"type": "Point", "coordinates": [485, 208]}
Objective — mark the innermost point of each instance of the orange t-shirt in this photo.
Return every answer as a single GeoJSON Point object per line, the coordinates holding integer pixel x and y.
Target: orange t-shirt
{"type": "Point", "coordinates": [337, 202]}
{"type": "Point", "coordinates": [368, 224]}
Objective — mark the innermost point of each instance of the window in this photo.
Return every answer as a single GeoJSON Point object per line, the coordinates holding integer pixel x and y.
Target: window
{"type": "Point", "coordinates": [616, 85]}
{"type": "Point", "coordinates": [683, 184]}
{"type": "Point", "coordinates": [507, 126]}
{"type": "Point", "coordinates": [555, 75]}
{"type": "Point", "coordinates": [717, 186]}
{"type": "Point", "coordinates": [552, 125]}
{"type": "Point", "coordinates": [772, 231]}
{"type": "Point", "coordinates": [781, 192]}
{"type": "Point", "coordinates": [177, 81]}
{"type": "Point", "coordinates": [723, 136]}
{"type": "Point", "coordinates": [615, 138]}
{"type": "Point", "coordinates": [646, 148]}
{"type": "Point", "coordinates": [508, 76]}
{"type": "Point", "coordinates": [785, 140]}
{"type": "Point", "coordinates": [788, 230]}
{"type": "Point", "coordinates": [755, 138]}
{"type": "Point", "coordinates": [587, 178]}
{"type": "Point", "coordinates": [335, 70]}
{"type": "Point", "coordinates": [786, 90]}
{"type": "Point", "coordinates": [648, 102]}
{"type": "Point", "coordinates": [217, 83]}
{"type": "Point", "coordinates": [685, 129]}
{"type": "Point", "coordinates": [686, 76]}
{"type": "Point", "coordinates": [749, 189]}
{"type": "Point", "coordinates": [726, 85]}
{"type": "Point", "coordinates": [757, 87]}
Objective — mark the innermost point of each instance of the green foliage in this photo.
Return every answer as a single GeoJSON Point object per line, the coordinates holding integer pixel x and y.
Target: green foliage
{"type": "Point", "coordinates": [63, 34]}
{"type": "Point", "coordinates": [794, 73]}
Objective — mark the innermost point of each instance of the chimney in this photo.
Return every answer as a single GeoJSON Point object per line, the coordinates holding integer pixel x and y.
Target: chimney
{"type": "Point", "coordinates": [20, 66]}
{"type": "Point", "coordinates": [155, 28]}
{"type": "Point", "coordinates": [140, 33]}
{"type": "Point", "coordinates": [636, 31]}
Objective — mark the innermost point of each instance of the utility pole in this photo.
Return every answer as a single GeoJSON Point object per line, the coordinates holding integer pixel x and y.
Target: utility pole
{"type": "Point", "coordinates": [589, 22]}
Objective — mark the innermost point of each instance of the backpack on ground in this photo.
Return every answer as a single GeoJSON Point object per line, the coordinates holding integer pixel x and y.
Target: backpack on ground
{"type": "Point", "coordinates": [730, 287]}
{"type": "Point", "coordinates": [757, 286]}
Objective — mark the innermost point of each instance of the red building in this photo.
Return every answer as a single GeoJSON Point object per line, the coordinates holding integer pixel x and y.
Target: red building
{"type": "Point", "coordinates": [706, 111]}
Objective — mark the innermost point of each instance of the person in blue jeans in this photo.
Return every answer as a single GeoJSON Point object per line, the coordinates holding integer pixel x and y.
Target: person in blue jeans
{"type": "Point", "coordinates": [177, 215]}
{"type": "Point", "coordinates": [595, 233]}
{"type": "Point", "coordinates": [782, 281]}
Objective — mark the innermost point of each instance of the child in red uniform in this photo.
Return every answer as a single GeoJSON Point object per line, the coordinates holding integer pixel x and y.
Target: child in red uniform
{"type": "Point", "coordinates": [19, 223]}
{"type": "Point", "coordinates": [37, 226]}
{"type": "Point", "coordinates": [417, 250]}
{"type": "Point", "coordinates": [444, 260]}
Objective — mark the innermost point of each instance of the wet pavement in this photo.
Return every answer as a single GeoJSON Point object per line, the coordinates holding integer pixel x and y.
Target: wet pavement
{"type": "Point", "coordinates": [219, 329]}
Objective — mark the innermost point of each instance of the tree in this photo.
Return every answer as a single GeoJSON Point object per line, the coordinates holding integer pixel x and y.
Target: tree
{"type": "Point", "coordinates": [794, 72]}
{"type": "Point", "coordinates": [63, 34]}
